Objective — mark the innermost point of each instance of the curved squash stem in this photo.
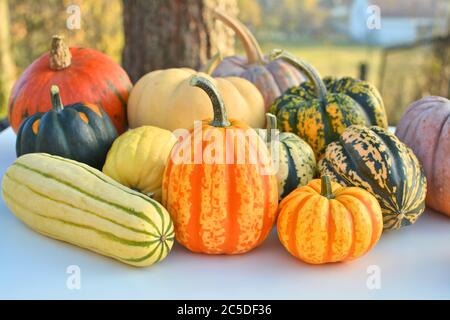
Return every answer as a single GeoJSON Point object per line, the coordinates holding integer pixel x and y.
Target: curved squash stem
{"type": "Point", "coordinates": [56, 98]}
{"type": "Point", "coordinates": [60, 56]}
{"type": "Point", "coordinates": [251, 46]}
{"type": "Point", "coordinates": [312, 74]}
{"type": "Point", "coordinates": [220, 113]}
{"type": "Point", "coordinates": [256, 45]}
{"type": "Point", "coordinates": [212, 64]}
{"type": "Point", "coordinates": [271, 123]}
{"type": "Point", "coordinates": [326, 189]}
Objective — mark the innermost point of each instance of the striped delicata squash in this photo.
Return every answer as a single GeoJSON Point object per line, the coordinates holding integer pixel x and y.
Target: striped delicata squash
{"type": "Point", "coordinates": [72, 202]}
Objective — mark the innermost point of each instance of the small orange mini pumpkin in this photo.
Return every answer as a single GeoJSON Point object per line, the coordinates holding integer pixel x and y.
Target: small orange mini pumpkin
{"type": "Point", "coordinates": [324, 222]}
{"type": "Point", "coordinates": [221, 205]}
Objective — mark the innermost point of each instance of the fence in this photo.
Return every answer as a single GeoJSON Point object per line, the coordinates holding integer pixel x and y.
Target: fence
{"type": "Point", "coordinates": [409, 72]}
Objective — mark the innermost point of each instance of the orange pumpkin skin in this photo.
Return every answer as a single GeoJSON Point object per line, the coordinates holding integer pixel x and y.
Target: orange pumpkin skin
{"type": "Point", "coordinates": [317, 230]}
{"type": "Point", "coordinates": [220, 208]}
{"type": "Point", "coordinates": [425, 128]}
{"type": "Point", "coordinates": [90, 76]}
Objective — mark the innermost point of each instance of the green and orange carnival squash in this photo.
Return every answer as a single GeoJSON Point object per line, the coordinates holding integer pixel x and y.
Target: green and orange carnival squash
{"type": "Point", "coordinates": [221, 203]}
{"type": "Point", "coordinates": [325, 222]}
{"type": "Point", "coordinates": [272, 78]}
{"type": "Point", "coordinates": [80, 131]}
{"type": "Point", "coordinates": [374, 159]}
{"type": "Point", "coordinates": [319, 111]}
{"type": "Point", "coordinates": [295, 162]}
{"type": "Point", "coordinates": [75, 203]}
{"type": "Point", "coordinates": [82, 74]}
{"type": "Point", "coordinates": [425, 128]}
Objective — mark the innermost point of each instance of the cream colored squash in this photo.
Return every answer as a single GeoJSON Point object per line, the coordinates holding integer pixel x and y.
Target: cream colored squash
{"type": "Point", "coordinates": [164, 98]}
{"type": "Point", "coordinates": [138, 157]}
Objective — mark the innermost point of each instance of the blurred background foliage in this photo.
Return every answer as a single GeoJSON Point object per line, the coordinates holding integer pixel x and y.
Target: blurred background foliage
{"type": "Point", "coordinates": [33, 24]}
{"type": "Point", "coordinates": [316, 30]}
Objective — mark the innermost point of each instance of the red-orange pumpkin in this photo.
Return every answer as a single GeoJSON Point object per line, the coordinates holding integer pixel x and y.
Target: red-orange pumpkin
{"type": "Point", "coordinates": [82, 74]}
{"type": "Point", "coordinates": [220, 206]}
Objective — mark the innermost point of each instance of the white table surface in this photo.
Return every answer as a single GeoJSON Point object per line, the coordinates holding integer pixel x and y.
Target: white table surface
{"type": "Point", "coordinates": [414, 263]}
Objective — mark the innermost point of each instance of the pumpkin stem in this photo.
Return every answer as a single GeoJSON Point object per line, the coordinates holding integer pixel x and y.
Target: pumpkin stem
{"type": "Point", "coordinates": [252, 49]}
{"type": "Point", "coordinates": [325, 187]}
{"type": "Point", "coordinates": [271, 123]}
{"type": "Point", "coordinates": [220, 114]}
{"type": "Point", "coordinates": [212, 63]}
{"type": "Point", "coordinates": [312, 74]}
{"type": "Point", "coordinates": [60, 56]}
{"type": "Point", "coordinates": [56, 98]}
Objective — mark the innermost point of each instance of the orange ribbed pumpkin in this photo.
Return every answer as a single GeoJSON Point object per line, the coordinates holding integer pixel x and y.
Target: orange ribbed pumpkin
{"type": "Point", "coordinates": [220, 206]}
{"type": "Point", "coordinates": [324, 222]}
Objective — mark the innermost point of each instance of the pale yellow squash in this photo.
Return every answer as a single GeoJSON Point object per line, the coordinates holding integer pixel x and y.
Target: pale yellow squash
{"type": "Point", "coordinates": [164, 98]}
{"type": "Point", "coordinates": [138, 157]}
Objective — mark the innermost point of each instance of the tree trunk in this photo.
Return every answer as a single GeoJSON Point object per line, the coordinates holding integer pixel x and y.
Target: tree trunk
{"type": "Point", "coordinates": [173, 33]}
{"type": "Point", "coordinates": [7, 68]}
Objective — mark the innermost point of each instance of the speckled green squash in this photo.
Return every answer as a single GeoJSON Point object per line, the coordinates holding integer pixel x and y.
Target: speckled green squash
{"type": "Point", "coordinates": [374, 159]}
{"type": "Point", "coordinates": [319, 110]}
{"type": "Point", "coordinates": [296, 165]}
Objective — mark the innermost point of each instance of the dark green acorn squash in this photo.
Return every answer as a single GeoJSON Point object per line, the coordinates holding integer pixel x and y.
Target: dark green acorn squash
{"type": "Point", "coordinates": [80, 131]}
{"type": "Point", "coordinates": [318, 111]}
{"type": "Point", "coordinates": [376, 160]}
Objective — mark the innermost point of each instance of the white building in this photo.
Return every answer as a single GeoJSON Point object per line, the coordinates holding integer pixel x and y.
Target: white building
{"type": "Point", "coordinates": [393, 22]}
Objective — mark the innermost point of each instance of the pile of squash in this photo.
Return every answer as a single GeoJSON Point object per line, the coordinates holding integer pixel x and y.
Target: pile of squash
{"type": "Point", "coordinates": [331, 178]}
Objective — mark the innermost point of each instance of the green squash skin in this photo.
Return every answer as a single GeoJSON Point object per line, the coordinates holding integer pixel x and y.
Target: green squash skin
{"type": "Point", "coordinates": [375, 160]}
{"type": "Point", "coordinates": [64, 133]}
{"type": "Point", "coordinates": [365, 94]}
{"type": "Point", "coordinates": [296, 162]}
{"type": "Point", "coordinates": [348, 102]}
